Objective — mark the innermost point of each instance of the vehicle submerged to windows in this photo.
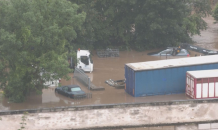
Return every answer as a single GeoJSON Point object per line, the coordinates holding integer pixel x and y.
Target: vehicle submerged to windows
{"type": "Point", "coordinates": [170, 51]}
{"type": "Point", "coordinates": [84, 61]}
{"type": "Point", "coordinates": [72, 91]}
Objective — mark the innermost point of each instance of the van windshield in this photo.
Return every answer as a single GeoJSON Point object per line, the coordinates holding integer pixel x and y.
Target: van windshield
{"type": "Point", "coordinates": [84, 60]}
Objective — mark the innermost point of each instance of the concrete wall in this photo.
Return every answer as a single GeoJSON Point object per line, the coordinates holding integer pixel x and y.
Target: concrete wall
{"type": "Point", "coordinates": [108, 106]}
{"type": "Point", "coordinates": [118, 116]}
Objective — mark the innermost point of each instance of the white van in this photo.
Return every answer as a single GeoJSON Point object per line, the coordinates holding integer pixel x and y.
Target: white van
{"type": "Point", "coordinates": [84, 60]}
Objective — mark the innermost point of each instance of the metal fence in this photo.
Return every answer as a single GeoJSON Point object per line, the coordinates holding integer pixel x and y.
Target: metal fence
{"type": "Point", "coordinates": [81, 76]}
{"type": "Point", "coordinates": [108, 53]}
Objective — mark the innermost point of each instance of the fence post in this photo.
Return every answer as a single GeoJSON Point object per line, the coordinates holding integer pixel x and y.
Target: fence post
{"type": "Point", "coordinates": [89, 82]}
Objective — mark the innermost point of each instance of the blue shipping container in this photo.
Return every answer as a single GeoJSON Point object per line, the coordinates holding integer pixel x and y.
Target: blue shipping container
{"type": "Point", "coordinates": [164, 76]}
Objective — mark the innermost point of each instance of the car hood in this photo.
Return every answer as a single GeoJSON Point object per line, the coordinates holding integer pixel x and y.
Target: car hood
{"type": "Point", "coordinates": [78, 93]}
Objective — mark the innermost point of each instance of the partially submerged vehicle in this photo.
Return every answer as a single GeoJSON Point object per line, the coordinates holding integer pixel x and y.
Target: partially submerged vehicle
{"type": "Point", "coordinates": [119, 84]}
{"type": "Point", "coordinates": [171, 51]}
{"type": "Point", "coordinates": [84, 61]}
{"type": "Point", "coordinates": [108, 53]}
{"type": "Point", "coordinates": [49, 79]}
{"type": "Point", "coordinates": [198, 49]}
{"type": "Point", "coordinates": [52, 83]}
{"type": "Point", "coordinates": [72, 91]}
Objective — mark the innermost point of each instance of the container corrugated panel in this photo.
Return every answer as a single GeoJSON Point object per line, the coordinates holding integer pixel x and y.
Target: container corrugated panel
{"type": "Point", "coordinates": [162, 80]}
{"type": "Point", "coordinates": [130, 78]}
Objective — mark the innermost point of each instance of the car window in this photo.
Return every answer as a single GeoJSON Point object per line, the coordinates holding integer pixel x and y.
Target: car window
{"type": "Point", "coordinates": [65, 88]}
{"type": "Point", "coordinates": [168, 51]}
{"type": "Point", "coordinates": [182, 52]}
{"type": "Point", "coordinates": [75, 89]}
{"type": "Point", "coordinates": [84, 59]}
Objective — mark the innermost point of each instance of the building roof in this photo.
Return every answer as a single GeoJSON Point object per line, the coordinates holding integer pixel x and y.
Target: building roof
{"type": "Point", "coordinates": [170, 63]}
{"type": "Point", "coordinates": [204, 73]}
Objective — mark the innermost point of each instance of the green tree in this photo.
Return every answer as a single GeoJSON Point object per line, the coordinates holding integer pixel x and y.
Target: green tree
{"type": "Point", "coordinates": [196, 10]}
{"type": "Point", "coordinates": [105, 23]}
{"type": "Point", "coordinates": [86, 35]}
{"type": "Point", "coordinates": [215, 13]}
{"type": "Point", "coordinates": [34, 43]}
{"type": "Point", "coordinates": [141, 24]}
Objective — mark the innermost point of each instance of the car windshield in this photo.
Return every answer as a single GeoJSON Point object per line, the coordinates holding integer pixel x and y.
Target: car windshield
{"type": "Point", "coordinates": [75, 89]}
{"type": "Point", "coordinates": [166, 51]}
{"type": "Point", "coordinates": [161, 50]}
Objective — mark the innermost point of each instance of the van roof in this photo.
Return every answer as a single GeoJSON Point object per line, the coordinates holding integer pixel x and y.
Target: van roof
{"type": "Point", "coordinates": [83, 52]}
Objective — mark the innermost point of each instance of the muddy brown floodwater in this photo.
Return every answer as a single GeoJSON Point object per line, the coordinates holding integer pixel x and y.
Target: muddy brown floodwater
{"type": "Point", "coordinates": [104, 69]}
{"type": "Point", "coordinates": [111, 68]}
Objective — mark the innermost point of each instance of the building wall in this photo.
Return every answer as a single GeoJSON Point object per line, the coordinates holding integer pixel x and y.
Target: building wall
{"type": "Point", "coordinates": [160, 81]}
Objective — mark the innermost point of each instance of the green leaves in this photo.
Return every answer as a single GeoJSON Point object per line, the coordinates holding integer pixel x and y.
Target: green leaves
{"type": "Point", "coordinates": [36, 35]}
{"type": "Point", "coordinates": [157, 23]}
{"type": "Point", "coordinates": [35, 38]}
{"type": "Point", "coordinates": [215, 12]}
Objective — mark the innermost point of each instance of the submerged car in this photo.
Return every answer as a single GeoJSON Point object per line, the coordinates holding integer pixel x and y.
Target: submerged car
{"type": "Point", "coordinates": [72, 91]}
{"type": "Point", "coordinates": [171, 51]}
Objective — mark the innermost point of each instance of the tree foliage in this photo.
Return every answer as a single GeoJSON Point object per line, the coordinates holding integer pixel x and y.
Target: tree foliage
{"type": "Point", "coordinates": [34, 43]}
{"type": "Point", "coordinates": [37, 36]}
{"type": "Point", "coordinates": [215, 13]}
{"type": "Point", "coordinates": [141, 24]}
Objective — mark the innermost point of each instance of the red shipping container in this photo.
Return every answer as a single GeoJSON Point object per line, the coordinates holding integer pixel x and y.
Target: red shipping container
{"type": "Point", "coordinates": [202, 84]}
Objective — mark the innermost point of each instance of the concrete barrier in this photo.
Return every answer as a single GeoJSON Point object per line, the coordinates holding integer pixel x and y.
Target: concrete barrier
{"type": "Point", "coordinates": [192, 102]}
{"type": "Point", "coordinates": [198, 126]}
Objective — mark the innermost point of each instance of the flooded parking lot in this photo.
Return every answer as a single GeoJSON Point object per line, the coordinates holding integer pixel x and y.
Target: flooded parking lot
{"type": "Point", "coordinates": [104, 69]}
{"type": "Point", "coordinates": [111, 68]}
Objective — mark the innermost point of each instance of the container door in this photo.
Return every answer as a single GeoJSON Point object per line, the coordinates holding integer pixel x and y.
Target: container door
{"type": "Point", "coordinates": [198, 90]}
{"type": "Point", "coordinates": [192, 89]}
{"type": "Point", "coordinates": [127, 79]}
{"type": "Point", "coordinates": [188, 88]}
{"type": "Point", "coordinates": [216, 88]}
{"type": "Point", "coordinates": [205, 88]}
{"type": "Point", "coordinates": [211, 87]}
{"type": "Point", "coordinates": [130, 81]}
